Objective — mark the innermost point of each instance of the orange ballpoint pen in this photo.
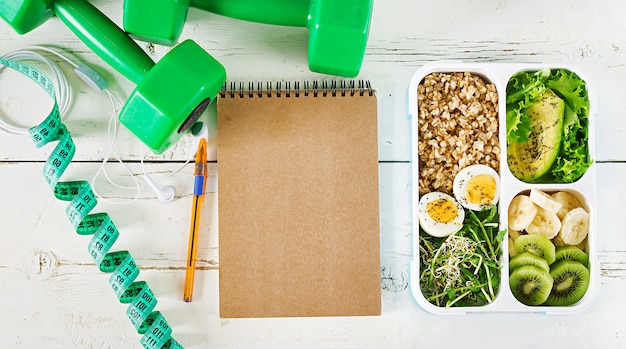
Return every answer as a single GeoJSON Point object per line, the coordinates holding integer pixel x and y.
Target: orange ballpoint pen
{"type": "Point", "coordinates": [200, 174]}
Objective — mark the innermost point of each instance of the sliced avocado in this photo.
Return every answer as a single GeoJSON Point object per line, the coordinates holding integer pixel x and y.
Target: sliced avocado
{"type": "Point", "coordinates": [530, 160]}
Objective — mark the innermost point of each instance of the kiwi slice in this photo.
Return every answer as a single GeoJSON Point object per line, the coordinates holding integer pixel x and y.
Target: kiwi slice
{"type": "Point", "coordinates": [571, 280]}
{"type": "Point", "coordinates": [571, 253]}
{"type": "Point", "coordinates": [537, 244]}
{"type": "Point", "coordinates": [530, 285]}
{"type": "Point", "coordinates": [528, 258]}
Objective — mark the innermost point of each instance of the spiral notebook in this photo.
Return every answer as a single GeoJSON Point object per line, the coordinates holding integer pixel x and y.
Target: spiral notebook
{"type": "Point", "coordinates": [298, 200]}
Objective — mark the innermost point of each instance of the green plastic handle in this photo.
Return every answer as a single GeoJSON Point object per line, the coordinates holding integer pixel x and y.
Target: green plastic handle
{"type": "Point", "coordinates": [292, 13]}
{"type": "Point", "coordinates": [104, 38]}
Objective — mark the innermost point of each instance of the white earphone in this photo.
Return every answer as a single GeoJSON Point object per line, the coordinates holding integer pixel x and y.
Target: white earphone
{"type": "Point", "coordinates": [164, 194]}
{"type": "Point", "coordinates": [168, 193]}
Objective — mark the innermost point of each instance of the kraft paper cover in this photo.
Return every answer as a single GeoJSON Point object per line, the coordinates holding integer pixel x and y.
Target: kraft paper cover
{"type": "Point", "coordinates": [298, 205]}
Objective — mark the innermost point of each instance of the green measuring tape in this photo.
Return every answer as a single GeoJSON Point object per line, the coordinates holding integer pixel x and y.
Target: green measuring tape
{"type": "Point", "coordinates": [140, 299]}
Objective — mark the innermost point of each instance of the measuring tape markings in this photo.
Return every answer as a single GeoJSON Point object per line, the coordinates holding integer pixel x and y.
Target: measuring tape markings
{"type": "Point", "coordinates": [148, 322]}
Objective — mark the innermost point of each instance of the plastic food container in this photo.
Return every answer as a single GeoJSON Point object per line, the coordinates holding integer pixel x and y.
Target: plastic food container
{"type": "Point", "coordinates": [499, 74]}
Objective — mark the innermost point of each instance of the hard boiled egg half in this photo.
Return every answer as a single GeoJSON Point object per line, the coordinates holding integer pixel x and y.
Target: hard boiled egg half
{"type": "Point", "coordinates": [477, 187]}
{"type": "Point", "coordinates": [439, 214]}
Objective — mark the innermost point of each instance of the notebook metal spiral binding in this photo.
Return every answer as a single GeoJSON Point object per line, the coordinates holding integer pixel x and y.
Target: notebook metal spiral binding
{"type": "Point", "coordinates": [315, 88]}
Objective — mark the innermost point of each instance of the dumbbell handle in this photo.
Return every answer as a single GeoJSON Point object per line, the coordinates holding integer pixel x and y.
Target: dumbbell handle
{"type": "Point", "coordinates": [104, 38]}
{"type": "Point", "coordinates": [280, 12]}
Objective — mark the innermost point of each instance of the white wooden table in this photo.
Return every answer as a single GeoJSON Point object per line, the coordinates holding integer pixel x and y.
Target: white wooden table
{"type": "Point", "coordinates": [53, 296]}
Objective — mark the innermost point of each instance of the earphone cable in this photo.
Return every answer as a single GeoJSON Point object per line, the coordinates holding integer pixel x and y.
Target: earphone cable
{"type": "Point", "coordinates": [112, 135]}
{"type": "Point", "coordinates": [64, 96]}
{"type": "Point", "coordinates": [63, 90]}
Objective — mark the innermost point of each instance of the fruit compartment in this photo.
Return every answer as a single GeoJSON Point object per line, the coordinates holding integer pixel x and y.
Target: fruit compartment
{"type": "Point", "coordinates": [561, 218]}
{"type": "Point", "coordinates": [510, 186]}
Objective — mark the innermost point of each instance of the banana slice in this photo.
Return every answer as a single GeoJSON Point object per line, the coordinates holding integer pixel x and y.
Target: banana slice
{"type": "Point", "coordinates": [544, 201]}
{"type": "Point", "coordinates": [575, 226]}
{"type": "Point", "coordinates": [545, 223]}
{"type": "Point", "coordinates": [568, 202]}
{"type": "Point", "coordinates": [557, 241]}
{"type": "Point", "coordinates": [521, 212]}
{"type": "Point", "coordinates": [514, 234]}
{"type": "Point", "coordinates": [512, 251]}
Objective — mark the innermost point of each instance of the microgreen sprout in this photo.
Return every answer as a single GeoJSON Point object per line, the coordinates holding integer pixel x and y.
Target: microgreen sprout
{"type": "Point", "coordinates": [463, 268]}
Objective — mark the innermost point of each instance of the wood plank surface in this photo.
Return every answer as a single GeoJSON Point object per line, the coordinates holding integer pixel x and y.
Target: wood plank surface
{"type": "Point", "coordinates": [53, 296]}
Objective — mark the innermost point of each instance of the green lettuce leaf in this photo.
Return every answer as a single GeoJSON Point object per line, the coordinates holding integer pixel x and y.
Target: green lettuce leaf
{"type": "Point", "coordinates": [571, 88]}
{"type": "Point", "coordinates": [573, 159]}
{"type": "Point", "coordinates": [527, 86]}
{"type": "Point", "coordinates": [518, 125]}
{"type": "Point", "coordinates": [522, 90]}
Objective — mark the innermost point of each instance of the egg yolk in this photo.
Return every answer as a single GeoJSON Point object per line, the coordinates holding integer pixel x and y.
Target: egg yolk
{"type": "Point", "coordinates": [442, 210]}
{"type": "Point", "coordinates": [481, 190]}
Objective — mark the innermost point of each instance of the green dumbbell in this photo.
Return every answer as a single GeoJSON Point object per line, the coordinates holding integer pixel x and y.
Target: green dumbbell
{"type": "Point", "coordinates": [169, 96]}
{"type": "Point", "coordinates": [338, 29]}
